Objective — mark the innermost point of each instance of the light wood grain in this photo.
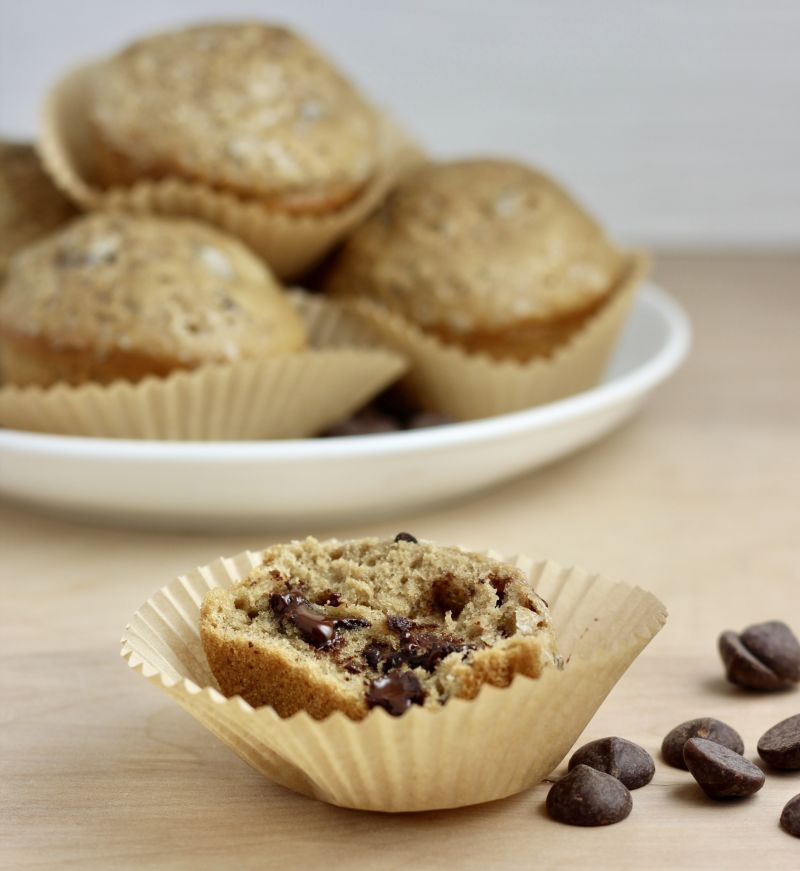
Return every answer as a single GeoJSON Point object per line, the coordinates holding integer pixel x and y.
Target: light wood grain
{"type": "Point", "coordinates": [695, 500]}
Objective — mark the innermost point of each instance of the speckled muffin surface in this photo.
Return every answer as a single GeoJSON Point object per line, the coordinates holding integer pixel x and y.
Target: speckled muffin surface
{"type": "Point", "coordinates": [30, 205]}
{"type": "Point", "coordinates": [352, 625]}
{"type": "Point", "coordinates": [117, 296]}
{"type": "Point", "coordinates": [489, 254]}
{"type": "Point", "coordinates": [249, 108]}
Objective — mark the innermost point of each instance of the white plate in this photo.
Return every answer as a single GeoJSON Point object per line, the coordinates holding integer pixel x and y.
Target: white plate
{"type": "Point", "coordinates": [240, 485]}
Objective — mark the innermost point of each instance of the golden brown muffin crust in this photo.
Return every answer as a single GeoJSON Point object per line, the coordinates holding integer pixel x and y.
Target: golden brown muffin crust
{"type": "Point", "coordinates": [449, 620]}
{"type": "Point", "coordinates": [30, 204]}
{"type": "Point", "coordinates": [249, 107]}
{"type": "Point", "coordinates": [478, 246]}
{"type": "Point", "coordinates": [149, 294]}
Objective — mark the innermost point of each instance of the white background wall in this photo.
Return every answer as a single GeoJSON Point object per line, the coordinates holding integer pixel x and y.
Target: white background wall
{"type": "Point", "coordinates": [678, 122]}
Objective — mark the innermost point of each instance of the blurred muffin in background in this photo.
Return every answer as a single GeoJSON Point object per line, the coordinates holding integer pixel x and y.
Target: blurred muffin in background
{"type": "Point", "coordinates": [486, 254]}
{"type": "Point", "coordinates": [247, 108]}
{"type": "Point", "coordinates": [115, 296]}
{"type": "Point", "coordinates": [30, 205]}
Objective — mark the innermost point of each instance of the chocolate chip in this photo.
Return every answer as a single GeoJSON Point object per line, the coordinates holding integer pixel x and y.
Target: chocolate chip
{"type": "Point", "coordinates": [332, 599]}
{"type": "Point", "coordinates": [396, 623]}
{"type": "Point", "coordinates": [766, 656]}
{"type": "Point", "coordinates": [317, 630]}
{"type": "Point", "coordinates": [631, 764]}
{"type": "Point", "coordinates": [790, 817]}
{"type": "Point", "coordinates": [405, 536]}
{"type": "Point", "coordinates": [775, 645]}
{"type": "Point", "coordinates": [395, 692]}
{"type": "Point", "coordinates": [351, 623]}
{"type": "Point", "coordinates": [780, 745]}
{"type": "Point", "coordinates": [587, 797]}
{"type": "Point", "coordinates": [703, 727]}
{"type": "Point", "coordinates": [313, 626]}
{"type": "Point", "coordinates": [373, 654]}
{"type": "Point", "coordinates": [721, 772]}
{"type": "Point", "coordinates": [352, 667]}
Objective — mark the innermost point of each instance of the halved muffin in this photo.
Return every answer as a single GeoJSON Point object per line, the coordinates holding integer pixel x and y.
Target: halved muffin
{"type": "Point", "coordinates": [351, 625]}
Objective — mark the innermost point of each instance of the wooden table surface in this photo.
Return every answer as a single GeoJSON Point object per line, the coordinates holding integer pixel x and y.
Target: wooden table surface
{"type": "Point", "coordinates": [696, 499]}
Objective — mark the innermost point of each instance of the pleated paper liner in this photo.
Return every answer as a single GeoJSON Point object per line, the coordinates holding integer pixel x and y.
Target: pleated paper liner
{"type": "Point", "coordinates": [445, 379]}
{"type": "Point", "coordinates": [290, 244]}
{"type": "Point", "coordinates": [291, 396]}
{"type": "Point", "coordinates": [466, 752]}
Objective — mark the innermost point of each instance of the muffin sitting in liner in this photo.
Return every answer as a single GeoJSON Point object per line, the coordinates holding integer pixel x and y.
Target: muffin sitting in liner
{"type": "Point", "coordinates": [251, 109]}
{"type": "Point", "coordinates": [348, 626]}
{"type": "Point", "coordinates": [489, 255]}
{"type": "Point", "coordinates": [114, 296]}
{"type": "Point", "coordinates": [30, 204]}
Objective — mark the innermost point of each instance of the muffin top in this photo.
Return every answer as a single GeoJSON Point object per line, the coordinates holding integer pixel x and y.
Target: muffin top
{"type": "Point", "coordinates": [166, 288]}
{"type": "Point", "coordinates": [30, 205]}
{"type": "Point", "coordinates": [249, 106]}
{"type": "Point", "coordinates": [477, 245]}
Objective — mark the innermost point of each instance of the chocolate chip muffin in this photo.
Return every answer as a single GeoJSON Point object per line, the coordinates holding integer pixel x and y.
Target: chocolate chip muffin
{"type": "Point", "coordinates": [352, 625]}
{"type": "Point", "coordinates": [30, 205]}
{"type": "Point", "coordinates": [248, 108]}
{"type": "Point", "coordinates": [489, 255]}
{"type": "Point", "coordinates": [115, 296]}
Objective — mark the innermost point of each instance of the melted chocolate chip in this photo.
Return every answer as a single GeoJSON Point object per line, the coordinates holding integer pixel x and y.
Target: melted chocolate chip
{"type": "Point", "coordinates": [395, 692]}
{"type": "Point", "coordinates": [405, 536]}
{"type": "Point", "coordinates": [353, 667]}
{"type": "Point", "coordinates": [396, 623]}
{"type": "Point", "coordinates": [313, 626]}
{"type": "Point", "coordinates": [333, 599]}
{"type": "Point", "coordinates": [351, 623]}
{"type": "Point", "coordinates": [373, 654]}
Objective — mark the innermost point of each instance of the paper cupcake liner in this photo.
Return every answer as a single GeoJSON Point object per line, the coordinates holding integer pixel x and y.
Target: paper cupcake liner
{"type": "Point", "coordinates": [445, 379]}
{"type": "Point", "coordinates": [290, 396]}
{"type": "Point", "coordinates": [467, 752]}
{"type": "Point", "coordinates": [290, 244]}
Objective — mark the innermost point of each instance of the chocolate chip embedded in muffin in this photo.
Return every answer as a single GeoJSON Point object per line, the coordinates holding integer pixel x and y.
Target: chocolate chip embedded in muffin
{"type": "Point", "coordinates": [348, 626]}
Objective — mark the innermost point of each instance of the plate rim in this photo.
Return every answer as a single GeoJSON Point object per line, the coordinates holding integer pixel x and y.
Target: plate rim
{"type": "Point", "coordinates": [633, 384]}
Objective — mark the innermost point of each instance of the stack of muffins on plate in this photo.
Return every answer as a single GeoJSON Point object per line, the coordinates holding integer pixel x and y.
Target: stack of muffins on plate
{"type": "Point", "coordinates": [217, 162]}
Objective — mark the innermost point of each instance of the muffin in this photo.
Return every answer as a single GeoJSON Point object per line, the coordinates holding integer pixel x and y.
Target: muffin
{"type": "Point", "coordinates": [246, 108]}
{"type": "Point", "coordinates": [348, 626]}
{"type": "Point", "coordinates": [488, 255]}
{"type": "Point", "coordinates": [115, 296]}
{"type": "Point", "coordinates": [30, 206]}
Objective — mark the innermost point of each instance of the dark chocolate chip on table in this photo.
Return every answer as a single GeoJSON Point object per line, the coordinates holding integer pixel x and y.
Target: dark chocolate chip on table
{"type": "Point", "coordinates": [790, 817]}
{"type": "Point", "coordinates": [720, 772]}
{"type": "Point", "coordinates": [702, 727]}
{"type": "Point", "coordinates": [780, 745]}
{"type": "Point", "coordinates": [766, 656]}
{"type": "Point", "coordinates": [631, 764]}
{"type": "Point", "coordinates": [587, 797]}
{"type": "Point", "coordinates": [405, 536]}
{"type": "Point", "coordinates": [396, 692]}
